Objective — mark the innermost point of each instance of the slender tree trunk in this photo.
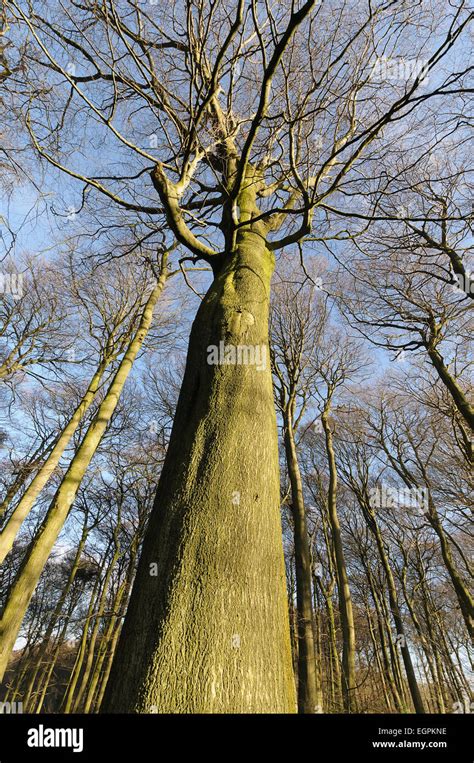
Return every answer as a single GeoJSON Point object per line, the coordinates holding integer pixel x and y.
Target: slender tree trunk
{"type": "Point", "coordinates": [120, 600]}
{"type": "Point", "coordinates": [309, 694]}
{"type": "Point", "coordinates": [345, 599]}
{"type": "Point", "coordinates": [293, 614]}
{"type": "Point", "coordinates": [397, 618]}
{"type": "Point", "coordinates": [426, 644]}
{"type": "Point", "coordinates": [327, 593]}
{"type": "Point", "coordinates": [102, 651]}
{"type": "Point", "coordinates": [392, 670]}
{"type": "Point", "coordinates": [120, 605]}
{"type": "Point", "coordinates": [378, 661]}
{"type": "Point", "coordinates": [462, 403]}
{"type": "Point", "coordinates": [104, 678]}
{"type": "Point", "coordinates": [333, 653]}
{"type": "Point", "coordinates": [207, 628]}
{"type": "Point", "coordinates": [49, 671]}
{"type": "Point", "coordinates": [22, 509]}
{"type": "Point", "coordinates": [32, 566]}
{"type": "Point", "coordinates": [38, 456]}
{"type": "Point", "coordinates": [21, 670]}
{"type": "Point", "coordinates": [95, 630]}
{"type": "Point", "coordinates": [68, 698]}
{"type": "Point", "coordinates": [57, 612]}
{"type": "Point", "coordinates": [466, 601]}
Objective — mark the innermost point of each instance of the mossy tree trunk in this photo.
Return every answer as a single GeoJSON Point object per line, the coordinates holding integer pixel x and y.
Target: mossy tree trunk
{"type": "Point", "coordinates": [27, 501]}
{"type": "Point", "coordinates": [207, 628]}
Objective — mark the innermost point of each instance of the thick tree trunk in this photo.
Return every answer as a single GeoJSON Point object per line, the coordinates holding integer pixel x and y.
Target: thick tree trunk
{"type": "Point", "coordinates": [309, 696]}
{"type": "Point", "coordinates": [207, 628]}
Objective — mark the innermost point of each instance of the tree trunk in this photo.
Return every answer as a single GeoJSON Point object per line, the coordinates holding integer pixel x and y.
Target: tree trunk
{"type": "Point", "coordinates": [40, 453]}
{"type": "Point", "coordinates": [109, 657]}
{"type": "Point", "coordinates": [397, 618]}
{"type": "Point", "coordinates": [102, 651]}
{"type": "Point", "coordinates": [32, 566]}
{"type": "Point", "coordinates": [333, 655]}
{"type": "Point", "coordinates": [392, 672]}
{"type": "Point", "coordinates": [466, 602]}
{"type": "Point", "coordinates": [378, 661]}
{"type": "Point", "coordinates": [207, 628]}
{"type": "Point", "coordinates": [462, 403]}
{"type": "Point", "coordinates": [309, 697]}
{"type": "Point", "coordinates": [66, 704]}
{"type": "Point", "coordinates": [21, 511]}
{"type": "Point", "coordinates": [97, 617]}
{"type": "Point", "coordinates": [345, 599]}
{"type": "Point", "coordinates": [120, 608]}
{"type": "Point", "coordinates": [58, 610]}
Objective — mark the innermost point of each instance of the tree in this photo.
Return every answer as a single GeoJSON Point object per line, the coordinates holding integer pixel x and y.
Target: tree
{"type": "Point", "coordinates": [354, 469]}
{"type": "Point", "coordinates": [297, 321]}
{"type": "Point", "coordinates": [337, 359]}
{"type": "Point", "coordinates": [109, 321]}
{"type": "Point", "coordinates": [237, 174]}
{"type": "Point", "coordinates": [39, 550]}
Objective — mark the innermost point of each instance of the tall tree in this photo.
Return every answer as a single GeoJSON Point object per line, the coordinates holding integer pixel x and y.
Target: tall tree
{"type": "Point", "coordinates": [234, 168]}
{"type": "Point", "coordinates": [39, 550]}
{"type": "Point", "coordinates": [297, 320]}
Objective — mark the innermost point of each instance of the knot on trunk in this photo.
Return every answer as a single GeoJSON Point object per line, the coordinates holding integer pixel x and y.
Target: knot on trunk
{"type": "Point", "coordinates": [238, 322]}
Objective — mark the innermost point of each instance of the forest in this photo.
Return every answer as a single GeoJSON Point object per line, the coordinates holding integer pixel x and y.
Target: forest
{"type": "Point", "coordinates": [236, 418]}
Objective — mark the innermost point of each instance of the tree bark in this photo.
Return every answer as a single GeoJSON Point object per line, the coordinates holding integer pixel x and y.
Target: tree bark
{"type": "Point", "coordinates": [209, 632]}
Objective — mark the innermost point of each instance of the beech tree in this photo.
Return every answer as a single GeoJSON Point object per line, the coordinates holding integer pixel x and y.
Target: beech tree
{"type": "Point", "coordinates": [243, 127]}
{"type": "Point", "coordinates": [297, 323]}
{"type": "Point", "coordinates": [23, 587]}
